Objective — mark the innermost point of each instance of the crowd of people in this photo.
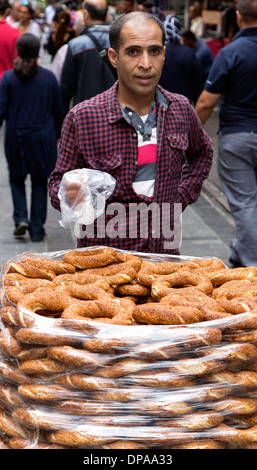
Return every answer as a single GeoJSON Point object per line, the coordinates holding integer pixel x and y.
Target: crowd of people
{"type": "Point", "coordinates": [128, 92]}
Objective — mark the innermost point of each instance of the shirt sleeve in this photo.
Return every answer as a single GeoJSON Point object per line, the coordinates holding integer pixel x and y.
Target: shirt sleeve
{"type": "Point", "coordinates": [199, 157]}
{"type": "Point", "coordinates": [68, 159]}
{"type": "Point", "coordinates": [216, 81]}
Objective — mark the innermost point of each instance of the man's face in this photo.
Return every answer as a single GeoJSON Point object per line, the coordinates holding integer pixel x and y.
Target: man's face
{"type": "Point", "coordinates": [139, 60]}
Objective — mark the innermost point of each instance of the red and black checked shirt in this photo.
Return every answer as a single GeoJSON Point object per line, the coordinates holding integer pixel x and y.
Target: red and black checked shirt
{"type": "Point", "coordinates": [96, 135]}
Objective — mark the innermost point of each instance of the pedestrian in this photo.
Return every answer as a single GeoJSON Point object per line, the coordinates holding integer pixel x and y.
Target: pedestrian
{"type": "Point", "coordinates": [14, 14]}
{"type": "Point", "coordinates": [232, 79]}
{"type": "Point", "coordinates": [31, 105]}
{"type": "Point", "coordinates": [26, 24]}
{"type": "Point", "coordinates": [85, 71]}
{"type": "Point", "coordinates": [8, 38]}
{"type": "Point", "coordinates": [61, 34]}
{"type": "Point", "coordinates": [196, 22]}
{"type": "Point", "coordinates": [181, 71]}
{"type": "Point", "coordinates": [202, 51]}
{"type": "Point", "coordinates": [149, 140]}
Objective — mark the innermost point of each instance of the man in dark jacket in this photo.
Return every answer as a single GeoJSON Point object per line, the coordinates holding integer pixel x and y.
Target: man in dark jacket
{"type": "Point", "coordinates": [85, 73]}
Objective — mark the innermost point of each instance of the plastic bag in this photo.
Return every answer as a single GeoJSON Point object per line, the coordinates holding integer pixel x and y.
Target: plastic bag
{"type": "Point", "coordinates": [95, 188]}
{"type": "Point", "coordinates": [77, 382]}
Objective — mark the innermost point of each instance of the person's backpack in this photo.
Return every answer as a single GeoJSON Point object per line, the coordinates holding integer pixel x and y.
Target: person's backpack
{"type": "Point", "coordinates": [110, 73]}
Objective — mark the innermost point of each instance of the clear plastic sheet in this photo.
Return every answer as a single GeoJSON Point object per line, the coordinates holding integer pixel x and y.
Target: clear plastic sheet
{"type": "Point", "coordinates": [82, 365]}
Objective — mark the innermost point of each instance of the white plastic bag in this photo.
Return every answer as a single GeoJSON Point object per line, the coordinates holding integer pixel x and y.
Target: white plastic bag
{"type": "Point", "coordinates": [89, 201]}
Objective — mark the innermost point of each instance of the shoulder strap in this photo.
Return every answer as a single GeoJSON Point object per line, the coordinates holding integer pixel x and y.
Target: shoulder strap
{"type": "Point", "coordinates": [102, 51]}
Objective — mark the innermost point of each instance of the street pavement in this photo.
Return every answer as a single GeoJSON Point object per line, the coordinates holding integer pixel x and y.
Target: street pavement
{"type": "Point", "coordinates": [207, 225]}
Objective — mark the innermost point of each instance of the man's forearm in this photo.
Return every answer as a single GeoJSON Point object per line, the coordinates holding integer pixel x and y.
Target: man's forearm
{"type": "Point", "coordinates": [205, 105]}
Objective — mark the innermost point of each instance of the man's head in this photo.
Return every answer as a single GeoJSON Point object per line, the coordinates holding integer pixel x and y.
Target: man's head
{"type": "Point", "coordinates": [127, 6]}
{"type": "Point", "coordinates": [4, 8]}
{"type": "Point", "coordinates": [137, 52]}
{"type": "Point", "coordinates": [194, 10]}
{"type": "Point", "coordinates": [95, 11]}
{"type": "Point", "coordinates": [247, 13]}
{"type": "Point", "coordinates": [15, 11]}
{"type": "Point", "coordinates": [189, 39]}
{"type": "Point", "coordinates": [139, 18]}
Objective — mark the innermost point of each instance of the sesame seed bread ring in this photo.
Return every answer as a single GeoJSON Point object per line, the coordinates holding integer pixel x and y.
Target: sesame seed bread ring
{"type": "Point", "coordinates": [133, 290]}
{"type": "Point", "coordinates": [167, 408]}
{"type": "Point", "coordinates": [123, 445]}
{"type": "Point", "coordinates": [45, 392]}
{"type": "Point", "coordinates": [159, 379]}
{"type": "Point", "coordinates": [156, 351]}
{"type": "Point", "coordinates": [121, 368]}
{"type": "Point", "coordinates": [234, 355]}
{"type": "Point", "coordinates": [77, 357]}
{"type": "Point", "coordinates": [235, 406]}
{"type": "Point", "coordinates": [88, 408]}
{"type": "Point", "coordinates": [161, 287]}
{"type": "Point", "coordinates": [31, 271]}
{"type": "Point", "coordinates": [45, 298]}
{"type": "Point", "coordinates": [19, 443]}
{"type": "Point", "coordinates": [13, 316]}
{"type": "Point", "coordinates": [149, 272]}
{"type": "Point", "coordinates": [194, 421]}
{"type": "Point", "coordinates": [45, 366]}
{"type": "Point", "coordinates": [10, 396]}
{"type": "Point", "coordinates": [85, 382]}
{"type": "Point", "coordinates": [164, 314]}
{"type": "Point", "coordinates": [87, 292]}
{"type": "Point", "coordinates": [8, 344]}
{"type": "Point", "coordinates": [58, 267]}
{"type": "Point", "coordinates": [205, 265]}
{"type": "Point", "coordinates": [202, 444]}
{"type": "Point", "coordinates": [37, 418]}
{"type": "Point", "coordinates": [13, 374]}
{"type": "Point", "coordinates": [233, 289]}
{"type": "Point", "coordinates": [79, 438]}
{"type": "Point", "coordinates": [10, 426]}
{"type": "Point", "coordinates": [108, 310]}
{"type": "Point", "coordinates": [241, 378]}
{"type": "Point", "coordinates": [83, 259]}
{"type": "Point", "coordinates": [53, 337]}
{"type": "Point", "coordinates": [238, 274]}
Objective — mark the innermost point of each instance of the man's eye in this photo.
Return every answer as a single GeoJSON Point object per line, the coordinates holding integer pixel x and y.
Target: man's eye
{"type": "Point", "coordinates": [155, 51]}
{"type": "Point", "coordinates": [132, 52]}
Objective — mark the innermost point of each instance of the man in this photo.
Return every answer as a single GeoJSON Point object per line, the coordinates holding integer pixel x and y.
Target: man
{"type": "Point", "coordinates": [8, 38]}
{"type": "Point", "coordinates": [140, 134]}
{"type": "Point", "coordinates": [202, 51]}
{"type": "Point", "coordinates": [233, 77]}
{"type": "Point", "coordinates": [85, 73]}
{"type": "Point", "coordinates": [181, 71]}
{"type": "Point", "coordinates": [196, 22]}
{"type": "Point", "coordinates": [14, 14]}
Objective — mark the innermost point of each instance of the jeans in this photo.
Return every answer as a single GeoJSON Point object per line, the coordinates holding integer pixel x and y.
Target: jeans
{"type": "Point", "coordinates": [237, 169]}
{"type": "Point", "coordinates": [38, 204]}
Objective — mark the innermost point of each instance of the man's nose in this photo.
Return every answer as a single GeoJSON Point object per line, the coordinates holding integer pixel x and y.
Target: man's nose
{"type": "Point", "coordinates": [145, 61]}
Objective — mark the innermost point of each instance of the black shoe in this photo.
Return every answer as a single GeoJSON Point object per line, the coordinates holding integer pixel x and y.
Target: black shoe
{"type": "Point", "coordinates": [21, 229]}
{"type": "Point", "coordinates": [236, 263]}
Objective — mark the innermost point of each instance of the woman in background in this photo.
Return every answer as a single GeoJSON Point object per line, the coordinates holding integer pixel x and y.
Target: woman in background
{"type": "Point", "coordinates": [61, 34]}
{"type": "Point", "coordinates": [31, 105]}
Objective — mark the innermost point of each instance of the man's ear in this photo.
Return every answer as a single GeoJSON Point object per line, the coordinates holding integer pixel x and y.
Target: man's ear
{"type": "Point", "coordinates": [239, 19]}
{"type": "Point", "coordinates": [113, 58]}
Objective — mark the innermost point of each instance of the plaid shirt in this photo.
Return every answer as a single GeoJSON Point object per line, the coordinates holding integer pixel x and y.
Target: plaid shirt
{"type": "Point", "coordinates": [96, 135]}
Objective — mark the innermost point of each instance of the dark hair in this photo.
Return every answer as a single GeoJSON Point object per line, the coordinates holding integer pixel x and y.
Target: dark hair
{"type": "Point", "coordinates": [248, 10]}
{"type": "Point", "coordinates": [95, 12]}
{"type": "Point", "coordinates": [25, 64]}
{"type": "Point", "coordinates": [63, 24]}
{"type": "Point", "coordinates": [4, 4]}
{"type": "Point", "coordinates": [117, 25]}
{"type": "Point", "coordinates": [26, 4]}
{"type": "Point", "coordinates": [189, 35]}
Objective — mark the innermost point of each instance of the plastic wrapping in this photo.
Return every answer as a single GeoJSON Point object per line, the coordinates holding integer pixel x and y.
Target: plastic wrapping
{"type": "Point", "coordinates": [186, 379]}
{"type": "Point", "coordinates": [95, 187]}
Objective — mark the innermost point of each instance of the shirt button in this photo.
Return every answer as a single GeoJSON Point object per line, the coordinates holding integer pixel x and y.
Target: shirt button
{"type": "Point", "coordinates": [134, 134]}
{"type": "Point", "coordinates": [130, 113]}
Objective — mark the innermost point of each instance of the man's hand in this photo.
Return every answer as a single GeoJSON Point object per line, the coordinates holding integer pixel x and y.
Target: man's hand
{"type": "Point", "coordinates": [74, 190]}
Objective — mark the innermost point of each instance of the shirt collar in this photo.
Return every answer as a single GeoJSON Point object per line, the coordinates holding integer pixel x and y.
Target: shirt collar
{"type": "Point", "coordinates": [114, 110]}
{"type": "Point", "coordinates": [250, 31]}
